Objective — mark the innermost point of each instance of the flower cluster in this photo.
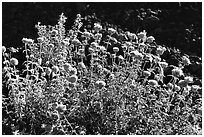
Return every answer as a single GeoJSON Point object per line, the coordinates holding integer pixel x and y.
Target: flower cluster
{"type": "Point", "coordinates": [99, 81]}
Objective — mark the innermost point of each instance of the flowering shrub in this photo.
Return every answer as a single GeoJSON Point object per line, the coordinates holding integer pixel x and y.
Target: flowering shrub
{"type": "Point", "coordinates": [89, 81]}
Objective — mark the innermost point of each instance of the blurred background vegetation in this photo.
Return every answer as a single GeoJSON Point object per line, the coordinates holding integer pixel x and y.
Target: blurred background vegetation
{"type": "Point", "coordinates": [174, 24]}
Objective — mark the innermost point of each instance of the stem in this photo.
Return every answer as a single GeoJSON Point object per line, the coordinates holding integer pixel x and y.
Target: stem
{"type": "Point", "coordinates": [91, 67]}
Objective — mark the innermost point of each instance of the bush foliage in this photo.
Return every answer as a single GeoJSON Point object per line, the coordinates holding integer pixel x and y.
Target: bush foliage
{"type": "Point", "coordinates": [98, 79]}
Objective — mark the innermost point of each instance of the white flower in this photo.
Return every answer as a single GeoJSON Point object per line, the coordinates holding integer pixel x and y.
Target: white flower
{"type": "Point", "coordinates": [186, 91]}
{"type": "Point", "coordinates": [194, 88]}
{"type": "Point", "coordinates": [97, 27]}
{"type": "Point", "coordinates": [150, 39]}
{"type": "Point", "coordinates": [185, 60]}
{"type": "Point", "coordinates": [149, 57]}
{"type": "Point", "coordinates": [65, 42]}
{"type": "Point", "coordinates": [82, 132]}
{"type": "Point", "coordinates": [160, 50]}
{"type": "Point", "coordinates": [99, 67]}
{"type": "Point", "coordinates": [102, 48]}
{"type": "Point", "coordinates": [91, 50]}
{"type": "Point", "coordinates": [48, 71]}
{"type": "Point", "coordinates": [142, 45]}
{"type": "Point", "coordinates": [170, 86]}
{"type": "Point", "coordinates": [55, 69]}
{"type": "Point", "coordinates": [40, 39]}
{"type": "Point", "coordinates": [71, 85]}
{"type": "Point", "coordinates": [153, 83]}
{"type": "Point", "coordinates": [182, 83]}
{"type": "Point", "coordinates": [188, 79]}
{"type": "Point", "coordinates": [124, 47]}
{"type": "Point", "coordinates": [3, 49]}
{"type": "Point", "coordinates": [112, 76]}
{"type": "Point", "coordinates": [177, 88]}
{"type": "Point", "coordinates": [82, 65]}
{"type": "Point", "coordinates": [94, 45]}
{"type": "Point", "coordinates": [61, 107]}
{"type": "Point", "coordinates": [40, 61]}
{"type": "Point", "coordinates": [120, 57]}
{"type": "Point", "coordinates": [111, 30]}
{"type": "Point", "coordinates": [157, 59]}
{"type": "Point", "coordinates": [163, 64]}
{"type": "Point", "coordinates": [106, 71]}
{"type": "Point", "coordinates": [13, 61]}
{"type": "Point", "coordinates": [146, 73]}
{"type": "Point", "coordinates": [132, 86]}
{"type": "Point", "coordinates": [67, 66]}
{"type": "Point", "coordinates": [87, 34]}
{"type": "Point", "coordinates": [72, 79]}
{"type": "Point", "coordinates": [136, 54]}
{"type": "Point", "coordinates": [54, 32]}
{"type": "Point", "coordinates": [177, 72]}
{"type": "Point", "coordinates": [128, 44]}
{"type": "Point", "coordinates": [27, 41]}
{"type": "Point", "coordinates": [73, 71]}
{"type": "Point", "coordinates": [98, 36]}
{"type": "Point", "coordinates": [100, 84]}
{"type": "Point", "coordinates": [76, 42]}
{"type": "Point", "coordinates": [115, 49]}
{"type": "Point", "coordinates": [131, 48]}
{"type": "Point", "coordinates": [132, 36]}
{"type": "Point", "coordinates": [142, 35]}
{"type": "Point", "coordinates": [81, 51]}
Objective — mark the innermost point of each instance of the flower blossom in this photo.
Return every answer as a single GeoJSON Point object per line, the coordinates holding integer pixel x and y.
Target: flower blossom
{"type": "Point", "coordinates": [182, 83]}
{"type": "Point", "coordinates": [27, 41]}
{"type": "Point", "coordinates": [163, 64]}
{"type": "Point", "coordinates": [67, 66]}
{"type": "Point", "coordinates": [13, 61]}
{"type": "Point", "coordinates": [94, 45]}
{"type": "Point", "coordinates": [87, 34]}
{"type": "Point", "coordinates": [160, 50]}
{"type": "Point", "coordinates": [142, 35]}
{"type": "Point", "coordinates": [170, 86]}
{"type": "Point", "coordinates": [185, 60]}
{"type": "Point", "coordinates": [132, 36]}
{"type": "Point", "coordinates": [65, 42]}
{"type": "Point", "coordinates": [100, 84]}
{"type": "Point", "coordinates": [102, 48]}
{"type": "Point", "coordinates": [3, 49]}
{"type": "Point", "coordinates": [115, 49]}
{"type": "Point", "coordinates": [40, 39]}
{"type": "Point", "coordinates": [120, 57]}
{"type": "Point", "coordinates": [81, 51]}
{"type": "Point", "coordinates": [76, 42]}
{"type": "Point", "coordinates": [55, 69]}
{"type": "Point", "coordinates": [150, 39]}
{"type": "Point", "coordinates": [61, 107]}
{"type": "Point", "coordinates": [157, 59]}
{"type": "Point", "coordinates": [111, 30]}
{"type": "Point", "coordinates": [82, 65]}
{"type": "Point", "coordinates": [72, 79]}
{"type": "Point", "coordinates": [136, 54]}
{"type": "Point", "coordinates": [152, 82]}
{"type": "Point", "coordinates": [177, 72]}
{"type": "Point", "coordinates": [98, 36]}
{"type": "Point", "coordinates": [188, 79]}
{"type": "Point", "coordinates": [48, 71]}
{"type": "Point", "coordinates": [73, 71]}
{"type": "Point", "coordinates": [195, 88]}
{"type": "Point", "coordinates": [97, 27]}
{"type": "Point", "coordinates": [177, 88]}
{"type": "Point", "coordinates": [124, 47]}
{"type": "Point", "coordinates": [146, 73]}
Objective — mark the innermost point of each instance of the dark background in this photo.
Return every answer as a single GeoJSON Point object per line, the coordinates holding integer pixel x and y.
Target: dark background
{"type": "Point", "coordinates": [173, 24]}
